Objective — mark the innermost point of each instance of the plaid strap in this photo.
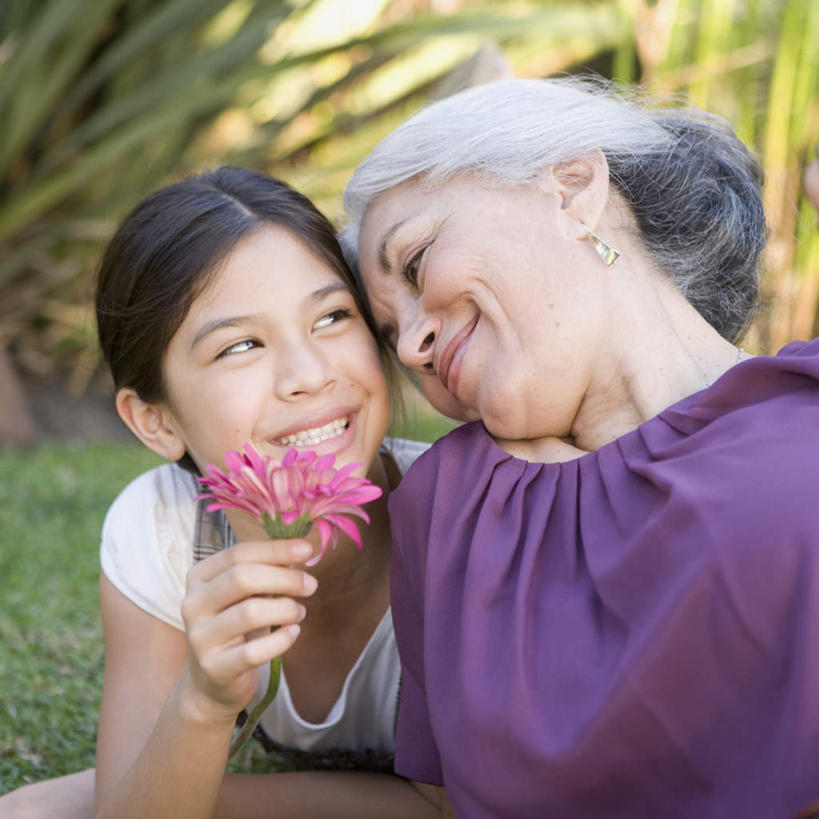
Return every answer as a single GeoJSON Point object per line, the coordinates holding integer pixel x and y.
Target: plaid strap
{"type": "Point", "coordinates": [211, 531]}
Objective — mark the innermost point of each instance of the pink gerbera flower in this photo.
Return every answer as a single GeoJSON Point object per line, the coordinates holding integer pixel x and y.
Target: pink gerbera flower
{"type": "Point", "coordinates": [288, 497]}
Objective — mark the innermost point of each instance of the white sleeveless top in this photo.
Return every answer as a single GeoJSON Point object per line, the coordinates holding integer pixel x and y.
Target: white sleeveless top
{"type": "Point", "coordinates": [146, 552]}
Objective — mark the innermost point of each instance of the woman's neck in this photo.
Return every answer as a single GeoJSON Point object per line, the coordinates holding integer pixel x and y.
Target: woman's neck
{"type": "Point", "coordinates": [663, 352]}
{"type": "Point", "coordinates": [659, 351]}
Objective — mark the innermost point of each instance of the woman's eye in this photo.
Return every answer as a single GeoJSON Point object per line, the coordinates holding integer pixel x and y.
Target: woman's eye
{"type": "Point", "coordinates": [333, 317]}
{"type": "Point", "coordinates": [239, 347]}
{"type": "Point", "coordinates": [410, 270]}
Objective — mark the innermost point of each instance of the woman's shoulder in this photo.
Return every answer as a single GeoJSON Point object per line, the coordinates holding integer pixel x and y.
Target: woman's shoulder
{"type": "Point", "coordinates": [757, 427]}
{"type": "Point", "coordinates": [463, 456]}
{"type": "Point", "coordinates": [449, 477]}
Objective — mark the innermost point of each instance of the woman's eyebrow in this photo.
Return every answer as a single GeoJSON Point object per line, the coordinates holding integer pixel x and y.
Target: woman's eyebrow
{"type": "Point", "coordinates": [383, 258]}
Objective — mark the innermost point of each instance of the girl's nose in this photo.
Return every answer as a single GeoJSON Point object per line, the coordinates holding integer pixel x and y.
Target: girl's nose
{"type": "Point", "coordinates": [416, 344]}
{"type": "Point", "coordinates": [302, 370]}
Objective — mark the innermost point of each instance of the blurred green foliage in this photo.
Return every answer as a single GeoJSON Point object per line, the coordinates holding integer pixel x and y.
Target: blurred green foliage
{"type": "Point", "coordinates": [105, 100]}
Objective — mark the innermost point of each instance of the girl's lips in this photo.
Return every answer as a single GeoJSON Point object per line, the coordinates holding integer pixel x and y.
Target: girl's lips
{"type": "Point", "coordinates": [449, 364]}
{"type": "Point", "coordinates": [314, 421]}
{"type": "Point", "coordinates": [329, 446]}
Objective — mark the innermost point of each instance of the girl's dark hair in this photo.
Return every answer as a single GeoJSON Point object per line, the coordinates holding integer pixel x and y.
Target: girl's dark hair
{"type": "Point", "coordinates": [166, 251]}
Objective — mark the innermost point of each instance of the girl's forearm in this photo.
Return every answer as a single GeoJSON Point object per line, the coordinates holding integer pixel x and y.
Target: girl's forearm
{"type": "Point", "coordinates": [178, 772]}
{"type": "Point", "coordinates": [181, 772]}
{"type": "Point", "coordinates": [317, 794]}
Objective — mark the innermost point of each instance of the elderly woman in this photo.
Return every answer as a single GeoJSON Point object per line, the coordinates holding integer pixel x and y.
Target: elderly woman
{"type": "Point", "coordinates": [606, 587]}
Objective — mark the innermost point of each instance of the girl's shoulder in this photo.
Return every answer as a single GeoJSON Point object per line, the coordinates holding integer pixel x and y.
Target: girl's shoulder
{"type": "Point", "coordinates": [167, 485]}
{"type": "Point", "coordinates": [147, 540]}
{"type": "Point", "coordinates": [404, 451]}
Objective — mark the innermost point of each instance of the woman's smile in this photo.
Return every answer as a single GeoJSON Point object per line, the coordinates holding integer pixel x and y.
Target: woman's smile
{"type": "Point", "coordinates": [450, 363]}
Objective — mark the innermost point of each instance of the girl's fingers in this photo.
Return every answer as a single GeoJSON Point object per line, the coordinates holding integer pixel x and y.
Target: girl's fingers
{"type": "Point", "coordinates": [241, 581]}
{"type": "Point", "coordinates": [270, 552]}
{"type": "Point", "coordinates": [236, 623]}
{"type": "Point", "coordinates": [229, 664]}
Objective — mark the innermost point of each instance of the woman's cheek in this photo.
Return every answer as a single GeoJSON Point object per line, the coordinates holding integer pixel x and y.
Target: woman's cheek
{"type": "Point", "coordinates": [444, 402]}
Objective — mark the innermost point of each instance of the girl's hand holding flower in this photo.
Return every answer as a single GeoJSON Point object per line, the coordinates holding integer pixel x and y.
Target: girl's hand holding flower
{"type": "Point", "coordinates": [228, 611]}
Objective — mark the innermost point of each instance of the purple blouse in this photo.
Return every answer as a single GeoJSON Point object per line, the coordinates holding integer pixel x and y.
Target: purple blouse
{"type": "Point", "coordinates": [632, 634]}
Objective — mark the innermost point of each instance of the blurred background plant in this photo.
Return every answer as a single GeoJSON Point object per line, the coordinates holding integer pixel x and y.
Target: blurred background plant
{"type": "Point", "coordinates": [104, 100]}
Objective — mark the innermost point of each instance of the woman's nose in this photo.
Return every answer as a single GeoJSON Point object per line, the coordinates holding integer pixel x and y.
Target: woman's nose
{"type": "Point", "coordinates": [302, 370]}
{"type": "Point", "coordinates": [416, 344]}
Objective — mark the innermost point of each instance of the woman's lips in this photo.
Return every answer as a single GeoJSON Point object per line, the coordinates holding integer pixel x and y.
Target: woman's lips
{"type": "Point", "coordinates": [451, 360]}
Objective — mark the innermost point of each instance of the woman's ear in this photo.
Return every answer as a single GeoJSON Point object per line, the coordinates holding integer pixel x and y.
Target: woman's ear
{"type": "Point", "coordinates": [150, 423]}
{"type": "Point", "coordinates": [582, 188]}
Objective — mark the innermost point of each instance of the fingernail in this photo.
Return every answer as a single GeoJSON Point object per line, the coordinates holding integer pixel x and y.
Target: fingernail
{"type": "Point", "coordinates": [293, 630]}
{"type": "Point", "coordinates": [302, 612]}
{"type": "Point", "coordinates": [301, 550]}
{"type": "Point", "coordinates": [310, 583]}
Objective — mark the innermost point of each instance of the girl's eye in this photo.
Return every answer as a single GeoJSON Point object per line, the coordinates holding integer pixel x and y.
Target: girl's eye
{"type": "Point", "coordinates": [410, 269]}
{"type": "Point", "coordinates": [333, 317]}
{"type": "Point", "coordinates": [239, 347]}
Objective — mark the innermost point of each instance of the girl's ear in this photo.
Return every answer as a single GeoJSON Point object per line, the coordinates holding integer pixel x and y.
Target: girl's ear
{"type": "Point", "coordinates": [150, 423]}
{"type": "Point", "coordinates": [582, 188]}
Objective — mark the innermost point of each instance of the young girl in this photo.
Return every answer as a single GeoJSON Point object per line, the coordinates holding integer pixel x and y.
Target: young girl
{"type": "Point", "coordinates": [227, 315]}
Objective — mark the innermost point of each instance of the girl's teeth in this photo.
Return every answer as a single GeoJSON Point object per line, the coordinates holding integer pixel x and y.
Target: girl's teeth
{"type": "Point", "coordinates": [310, 437]}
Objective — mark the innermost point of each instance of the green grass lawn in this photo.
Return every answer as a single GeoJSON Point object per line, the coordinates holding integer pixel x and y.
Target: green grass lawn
{"type": "Point", "coordinates": [52, 503]}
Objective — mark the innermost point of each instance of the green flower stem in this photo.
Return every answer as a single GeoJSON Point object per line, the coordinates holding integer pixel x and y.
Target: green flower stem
{"type": "Point", "coordinates": [275, 530]}
{"type": "Point", "coordinates": [256, 714]}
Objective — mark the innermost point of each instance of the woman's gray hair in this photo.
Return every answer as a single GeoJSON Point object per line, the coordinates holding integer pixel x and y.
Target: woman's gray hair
{"type": "Point", "coordinates": [692, 186]}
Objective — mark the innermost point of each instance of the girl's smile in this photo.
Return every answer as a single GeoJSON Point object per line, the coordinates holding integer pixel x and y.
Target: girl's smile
{"type": "Point", "coordinates": [315, 435]}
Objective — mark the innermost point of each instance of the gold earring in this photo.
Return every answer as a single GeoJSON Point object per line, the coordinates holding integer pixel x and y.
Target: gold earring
{"type": "Point", "coordinates": [606, 252]}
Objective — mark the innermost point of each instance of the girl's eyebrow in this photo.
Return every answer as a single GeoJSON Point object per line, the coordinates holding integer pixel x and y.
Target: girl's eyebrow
{"type": "Point", "coordinates": [328, 290]}
{"type": "Point", "coordinates": [217, 324]}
